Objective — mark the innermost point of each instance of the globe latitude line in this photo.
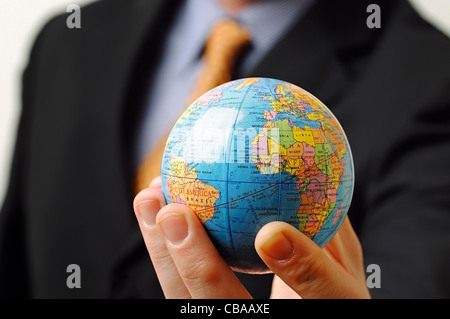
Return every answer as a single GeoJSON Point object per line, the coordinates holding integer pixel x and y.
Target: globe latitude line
{"type": "Point", "coordinates": [268, 187]}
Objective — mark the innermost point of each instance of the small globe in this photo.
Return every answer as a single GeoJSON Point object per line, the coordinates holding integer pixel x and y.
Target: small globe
{"type": "Point", "coordinates": [257, 150]}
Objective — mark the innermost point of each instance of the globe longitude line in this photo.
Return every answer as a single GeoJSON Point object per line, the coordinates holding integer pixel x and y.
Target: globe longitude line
{"type": "Point", "coordinates": [230, 233]}
{"type": "Point", "coordinates": [279, 181]}
{"type": "Point", "coordinates": [275, 96]}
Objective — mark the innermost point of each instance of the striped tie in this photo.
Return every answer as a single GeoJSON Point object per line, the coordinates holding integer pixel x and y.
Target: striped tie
{"type": "Point", "coordinates": [222, 49]}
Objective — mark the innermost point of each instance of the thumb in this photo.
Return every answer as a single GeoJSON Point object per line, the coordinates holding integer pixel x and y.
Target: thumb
{"type": "Point", "coordinates": [303, 266]}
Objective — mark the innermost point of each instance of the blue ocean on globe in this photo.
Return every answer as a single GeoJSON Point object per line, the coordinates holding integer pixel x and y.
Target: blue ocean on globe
{"type": "Point", "coordinates": [257, 150]}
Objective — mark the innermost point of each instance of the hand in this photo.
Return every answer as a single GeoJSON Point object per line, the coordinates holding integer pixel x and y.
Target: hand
{"type": "Point", "coordinates": [188, 265]}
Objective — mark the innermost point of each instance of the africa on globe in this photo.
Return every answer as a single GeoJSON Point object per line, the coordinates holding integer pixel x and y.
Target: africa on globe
{"type": "Point", "coordinates": [257, 150]}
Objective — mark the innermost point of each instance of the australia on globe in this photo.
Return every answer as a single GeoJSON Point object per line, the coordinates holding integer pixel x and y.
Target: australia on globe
{"type": "Point", "coordinates": [257, 150]}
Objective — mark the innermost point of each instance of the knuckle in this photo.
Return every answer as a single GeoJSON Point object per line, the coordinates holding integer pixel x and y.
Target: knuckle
{"type": "Point", "coordinates": [309, 274]}
{"type": "Point", "coordinates": [309, 269]}
{"type": "Point", "coordinates": [202, 272]}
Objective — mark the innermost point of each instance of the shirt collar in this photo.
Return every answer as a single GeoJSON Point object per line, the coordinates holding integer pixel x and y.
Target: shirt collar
{"type": "Point", "coordinates": [267, 20]}
{"type": "Point", "coordinates": [191, 30]}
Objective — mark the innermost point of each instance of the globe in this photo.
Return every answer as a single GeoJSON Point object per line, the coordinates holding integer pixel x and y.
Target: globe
{"type": "Point", "coordinates": [257, 150]}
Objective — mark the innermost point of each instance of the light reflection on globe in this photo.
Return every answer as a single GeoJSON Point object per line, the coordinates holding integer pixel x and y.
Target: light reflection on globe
{"type": "Point", "coordinates": [257, 150]}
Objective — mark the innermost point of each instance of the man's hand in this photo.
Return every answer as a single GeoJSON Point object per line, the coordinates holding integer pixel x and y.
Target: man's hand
{"type": "Point", "coordinates": [189, 266]}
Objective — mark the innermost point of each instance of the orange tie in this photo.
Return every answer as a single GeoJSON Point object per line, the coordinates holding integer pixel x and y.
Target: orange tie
{"type": "Point", "coordinates": [222, 49]}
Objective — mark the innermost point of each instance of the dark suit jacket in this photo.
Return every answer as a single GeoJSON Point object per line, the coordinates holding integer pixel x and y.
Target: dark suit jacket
{"type": "Point", "coordinates": [70, 194]}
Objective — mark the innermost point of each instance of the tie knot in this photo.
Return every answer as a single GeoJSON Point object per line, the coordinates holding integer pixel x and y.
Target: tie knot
{"type": "Point", "coordinates": [227, 37]}
{"type": "Point", "coordinates": [223, 48]}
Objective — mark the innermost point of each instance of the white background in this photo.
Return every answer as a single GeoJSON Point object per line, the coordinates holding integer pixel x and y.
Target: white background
{"type": "Point", "coordinates": [20, 20]}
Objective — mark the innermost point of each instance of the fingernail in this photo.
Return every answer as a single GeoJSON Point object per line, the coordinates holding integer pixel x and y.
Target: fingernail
{"type": "Point", "coordinates": [175, 228]}
{"type": "Point", "coordinates": [278, 247]}
{"type": "Point", "coordinates": [148, 210]}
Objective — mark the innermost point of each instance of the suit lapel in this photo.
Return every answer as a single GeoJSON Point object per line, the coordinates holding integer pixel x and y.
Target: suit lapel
{"type": "Point", "coordinates": [132, 273]}
{"type": "Point", "coordinates": [148, 30]}
{"type": "Point", "coordinates": [319, 51]}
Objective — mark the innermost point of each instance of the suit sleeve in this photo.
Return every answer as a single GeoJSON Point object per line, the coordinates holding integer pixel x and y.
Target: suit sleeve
{"type": "Point", "coordinates": [407, 226]}
{"type": "Point", "coordinates": [14, 272]}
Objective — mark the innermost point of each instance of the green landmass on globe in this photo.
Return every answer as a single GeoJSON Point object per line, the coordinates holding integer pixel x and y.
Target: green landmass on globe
{"type": "Point", "coordinates": [256, 150]}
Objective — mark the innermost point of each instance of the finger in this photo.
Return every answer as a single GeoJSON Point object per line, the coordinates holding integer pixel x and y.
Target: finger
{"type": "Point", "coordinates": [282, 291]}
{"type": "Point", "coordinates": [156, 183]}
{"type": "Point", "coordinates": [202, 269]}
{"type": "Point", "coordinates": [302, 265]}
{"type": "Point", "coordinates": [345, 249]}
{"type": "Point", "coordinates": [146, 206]}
